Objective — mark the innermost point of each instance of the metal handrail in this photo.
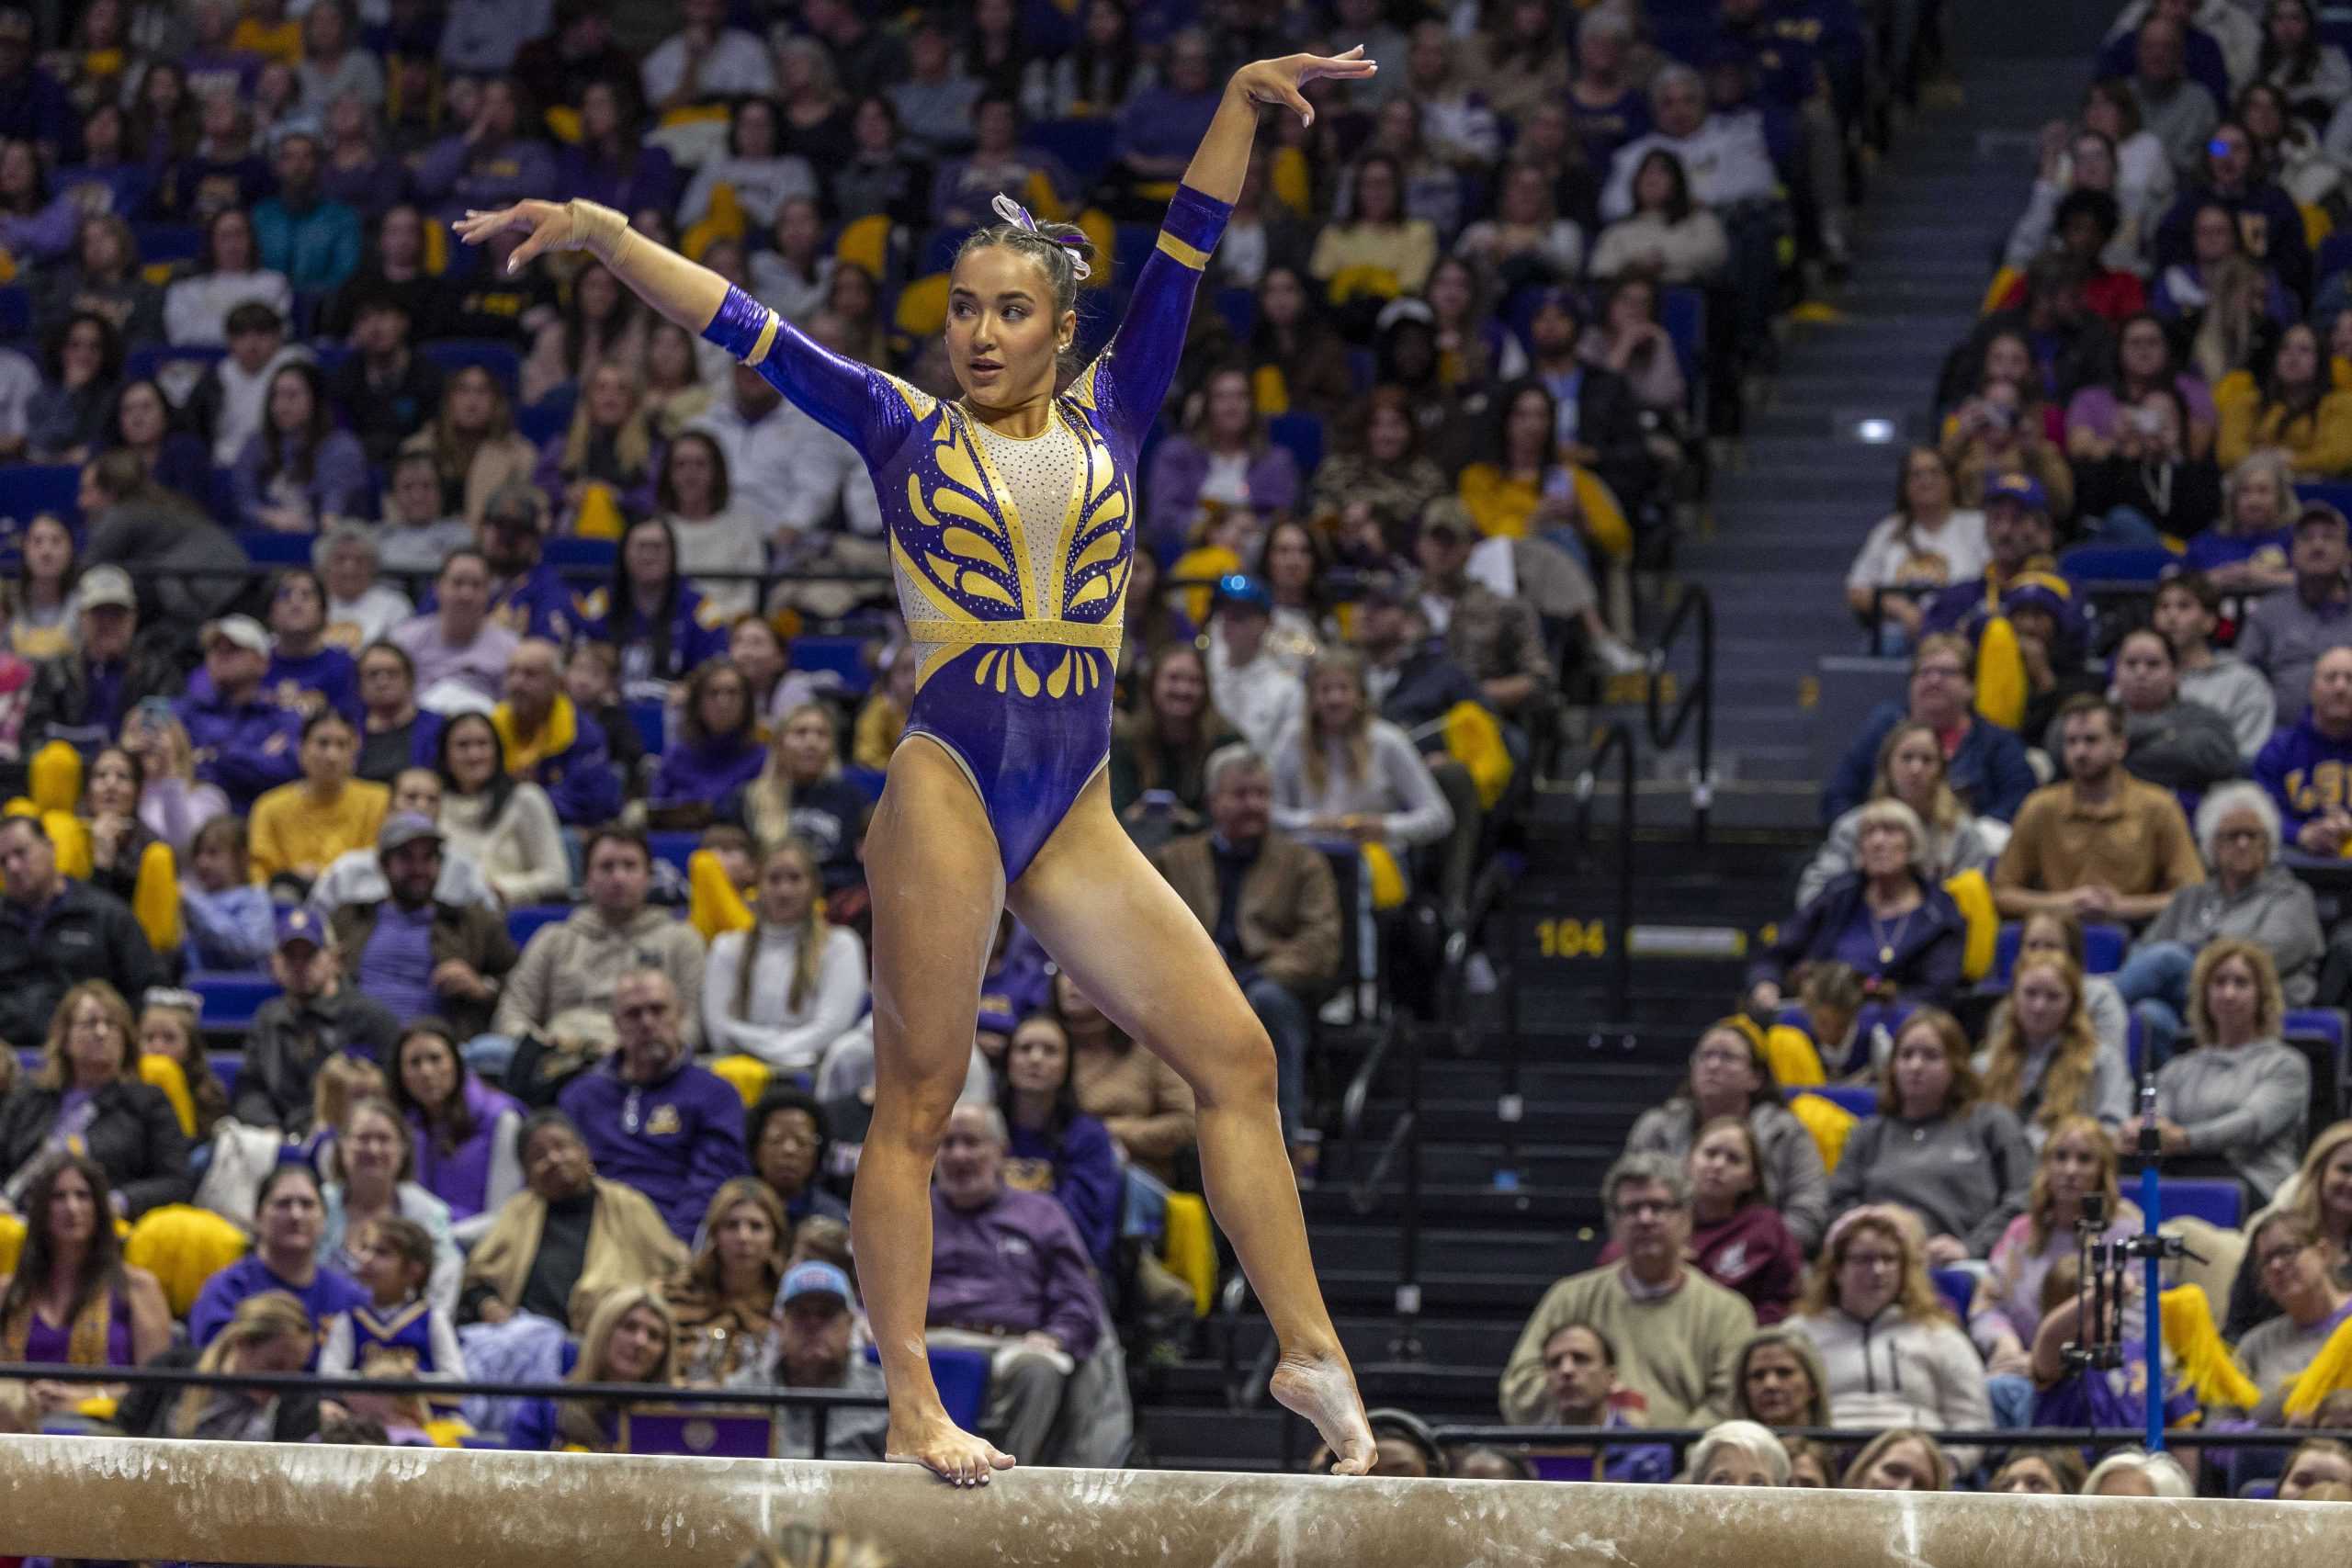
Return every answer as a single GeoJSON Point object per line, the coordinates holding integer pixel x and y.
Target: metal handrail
{"type": "Point", "coordinates": [1699, 698]}
{"type": "Point", "coordinates": [1618, 744]}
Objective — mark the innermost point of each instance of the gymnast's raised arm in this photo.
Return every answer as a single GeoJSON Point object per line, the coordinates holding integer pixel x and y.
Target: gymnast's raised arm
{"type": "Point", "coordinates": [848, 399]}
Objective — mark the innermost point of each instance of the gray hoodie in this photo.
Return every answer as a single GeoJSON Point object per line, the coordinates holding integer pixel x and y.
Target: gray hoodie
{"type": "Point", "coordinates": [2236, 690]}
{"type": "Point", "coordinates": [2274, 912]}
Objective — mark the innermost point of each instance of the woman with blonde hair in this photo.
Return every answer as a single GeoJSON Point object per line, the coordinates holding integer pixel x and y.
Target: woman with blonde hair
{"type": "Point", "coordinates": [720, 1300]}
{"type": "Point", "coordinates": [2235, 1106]}
{"type": "Point", "coordinates": [799, 793]}
{"type": "Point", "coordinates": [2078, 1163]}
{"type": "Point", "coordinates": [1341, 769]}
{"type": "Point", "coordinates": [630, 1338]}
{"type": "Point", "coordinates": [1902, 1461]}
{"type": "Point", "coordinates": [2320, 1195]}
{"type": "Point", "coordinates": [2044, 1060]}
{"type": "Point", "coordinates": [1937, 1148]}
{"type": "Point", "coordinates": [270, 1333]}
{"type": "Point", "coordinates": [1912, 769]}
{"type": "Point", "coordinates": [1778, 1379]}
{"type": "Point", "coordinates": [609, 442]}
{"type": "Point", "coordinates": [789, 986]}
{"type": "Point", "coordinates": [1893, 1354]}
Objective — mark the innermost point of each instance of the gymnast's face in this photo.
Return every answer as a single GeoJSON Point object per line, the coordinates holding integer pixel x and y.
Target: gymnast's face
{"type": "Point", "coordinates": [1002, 331]}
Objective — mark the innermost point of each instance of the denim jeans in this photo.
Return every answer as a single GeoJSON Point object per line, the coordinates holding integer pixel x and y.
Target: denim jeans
{"type": "Point", "coordinates": [1286, 1020]}
{"type": "Point", "coordinates": [2124, 526]}
{"type": "Point", "coordinates": [2012, 1400]}
{"type": "Point", "coordinates": [2154, 982]}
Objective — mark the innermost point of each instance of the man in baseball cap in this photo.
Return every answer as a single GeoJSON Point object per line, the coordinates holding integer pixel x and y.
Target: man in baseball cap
{"type": "Point", "coordinates": [2017, 534]}
{"type": "Point", "coordinates": [413, 952]}
{"type": "Point", "coordinates": [245, 743]}
{"type": "Point", "coordinates": [294, 1034]}
{"type": "Point", "coordinates": [2286, 633]}
{"type": "Point", "coordinates": [816, 1309]}
{"type": "Point", "coordinates": [83, 696]}
{"type": "Point", "coordinates": [1261, 693]}
{"type": "Point", "coordinates": [527, 596]}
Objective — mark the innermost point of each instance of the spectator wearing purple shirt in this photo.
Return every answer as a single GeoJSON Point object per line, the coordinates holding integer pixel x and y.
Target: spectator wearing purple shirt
{"type": "Point", "coordinates": [491, 164]}
{"type": "Point", "coordinates": [722, 751]}
{"type": "Point", "coordinates": [652, 1118]}
{"type": "Point", "coordinates": [289, 1216]}
{"type": "Point", "coordinates": [416, 952]}
{"type": "Point", "coordinates": [1162, 125]}
{"type": "Point", "coordinates": [1009, 1275]}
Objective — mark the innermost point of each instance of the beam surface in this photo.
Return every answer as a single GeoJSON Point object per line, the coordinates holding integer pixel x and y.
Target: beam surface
{"type": "Point", "coordinates": [373, 1507]}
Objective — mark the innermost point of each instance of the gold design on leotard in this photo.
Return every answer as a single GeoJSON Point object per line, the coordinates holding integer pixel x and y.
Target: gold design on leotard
{"type": "Point", "coordinates": [970, 560]}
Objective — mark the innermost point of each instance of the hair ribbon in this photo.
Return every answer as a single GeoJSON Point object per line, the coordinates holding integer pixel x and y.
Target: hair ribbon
{"type": "Point", "coordinates": [1013, 212]}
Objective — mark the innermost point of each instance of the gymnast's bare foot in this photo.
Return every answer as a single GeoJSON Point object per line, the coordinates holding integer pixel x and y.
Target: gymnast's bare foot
{"type": "Point", "coordinates": [1323, 1389]}
{"type": "Point", "coordinates": [945, 1449]}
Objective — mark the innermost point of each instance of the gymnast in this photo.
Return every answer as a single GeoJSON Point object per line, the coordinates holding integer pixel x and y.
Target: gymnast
{"type": "Point", "coordinates": [1011, 519]}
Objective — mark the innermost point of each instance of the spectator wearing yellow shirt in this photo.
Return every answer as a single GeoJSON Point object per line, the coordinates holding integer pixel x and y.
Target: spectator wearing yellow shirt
{"type": "Point", "coordinates": [882, 719]}
{"type": "Point", "coordinates": [266, 29]}
{"type": "Point", "coordinates": [298, 829]}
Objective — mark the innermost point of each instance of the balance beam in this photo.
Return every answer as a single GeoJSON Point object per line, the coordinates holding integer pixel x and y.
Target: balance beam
{"type": "Point", "coordinates": [379, 1508]}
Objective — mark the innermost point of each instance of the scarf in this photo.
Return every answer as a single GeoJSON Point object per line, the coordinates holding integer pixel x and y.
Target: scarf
{"type": "Point", "coordinates": [85, 1344]}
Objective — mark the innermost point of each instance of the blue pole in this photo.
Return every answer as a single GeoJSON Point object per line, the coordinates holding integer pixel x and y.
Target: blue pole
{"type": "Point", "coordinates": [2152, 1215]}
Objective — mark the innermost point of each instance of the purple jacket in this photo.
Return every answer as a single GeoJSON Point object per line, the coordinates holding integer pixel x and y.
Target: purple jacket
{"type": "Point", "coordinates": [461, 1178]}
{"type": "Point", "coordinates": [244, 747]}
{"type": "Point", "coordinates": [1011, 1266]}
{"type": "Point", "coordinates": [676, 1140]}
{"type": "Point", "coordinates": [1179, 469]}
{"type": "Point", "coordinates": [652, 182]}
{"type": "Point", "coordinates": [706, 774]}
{"type": "Point", "coordinates": [458, 175]}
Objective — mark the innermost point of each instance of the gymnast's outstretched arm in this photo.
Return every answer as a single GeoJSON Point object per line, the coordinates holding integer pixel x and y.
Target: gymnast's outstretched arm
{"type": "Point", "coordinates": [853, 400]}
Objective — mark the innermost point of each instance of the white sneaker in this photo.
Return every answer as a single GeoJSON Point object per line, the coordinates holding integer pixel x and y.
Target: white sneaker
{"type": "Point", "coordinates": [1616, 658]}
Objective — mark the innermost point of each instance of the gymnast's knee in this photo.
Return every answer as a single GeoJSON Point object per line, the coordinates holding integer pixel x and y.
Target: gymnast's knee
{"type": "Point", "coordinates": [1237, 1069]}
{"type": "Point", "coordinates": [913, 1109]}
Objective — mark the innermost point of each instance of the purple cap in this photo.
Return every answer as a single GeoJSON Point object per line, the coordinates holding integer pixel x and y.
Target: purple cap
{"type": "Point", "coordinates": [300, 922]}
{"type": "Point", "coordinates": [2023, 488]}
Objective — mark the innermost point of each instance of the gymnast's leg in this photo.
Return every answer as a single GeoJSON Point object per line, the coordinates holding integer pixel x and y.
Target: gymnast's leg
{"type": "Point", "coordinates": [937, 885]}
{"type": "Point", "coordinates": [1135, 950]}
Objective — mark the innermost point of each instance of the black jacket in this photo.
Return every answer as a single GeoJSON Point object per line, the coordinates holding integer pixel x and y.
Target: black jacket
{"type": "Point", "coordinates": [1428, 686]}
{"type": "Point", "coordinates": [288, 1043]}
{"type": "Point", "coordinates": [60, 707]}
{"type": "Point", "coordinates": [84, 935]}
{"type": "Point", "coordinates": [1927, 942]}
{"type": "Point", "coordinates": [135, 1135]}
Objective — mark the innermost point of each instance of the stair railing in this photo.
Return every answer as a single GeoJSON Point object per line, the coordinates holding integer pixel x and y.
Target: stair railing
{"type": "Point", "coordinates": [1695, 606]}
{"type": "Point", "coordinates": [1616, 746]}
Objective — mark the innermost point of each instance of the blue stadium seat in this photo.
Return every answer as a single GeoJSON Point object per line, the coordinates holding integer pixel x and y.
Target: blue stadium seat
{"type": "Point", "coordinates": [2221, 1203]}
{"type": "Point", "coordinates": [1862, 1102]}
{"type": "Point", "coordinates": [1683, 313]}
{"type": "Point", "coordinates": [266, 546]}
{"type": "Point", "coordinates": [543, 420]}
{"type": "Point", "coordinates": [673, 848]}
{"type": "Point", "coordinates": [331, 357]}
{"type": "Point", "coordinates": [27, 490]}
{"type": "Point", "coordinates": [2331, 1062]}
{"type": "Point", "coordinates": [844, 655]}
{"type": "Point", "coordinates": [168, 241]}
{"type": "Point", "coordinates": [650, 721]}
{"type": "Point", "coordinates": [231, 1000]}
{"type": "Point", "coordinates": [1957, 1288]}
{"type": "Point", "coordinates": [145, 361]}
{"type": "Point", "coordinates": [2103, 948]}
{"type": "Point", "coordinates": [571, 550]}
{"type": "Point", "coordinates": [2115, 563]}
{"type": "Point", "coordinates": [501, 359]}
{"type": "Point", "coordinates": [962, 1377]}
{"type": "Point", "coordinates": [226, 1066]}
{"type": "Point", "coordinates": [2339, 496]}
{"type": "Point", "coordinates": [1301, 434]}
{"type": "Point", "coordinates": [524, 924]}
{"type": "Point", "coordinates": [15, 311]}
{"type": "Point", "coordinates": [1083, 145]}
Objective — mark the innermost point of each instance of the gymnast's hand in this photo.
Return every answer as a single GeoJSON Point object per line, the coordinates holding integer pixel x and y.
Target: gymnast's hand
{"type": "Point", "coordinates": [1278, 82]}
{"type": "Point", "coordinates": [551, 225]}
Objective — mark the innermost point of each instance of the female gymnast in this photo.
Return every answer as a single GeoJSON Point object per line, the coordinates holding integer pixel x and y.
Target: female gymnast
{"type": "Point", "coordinates": [1011, 519]}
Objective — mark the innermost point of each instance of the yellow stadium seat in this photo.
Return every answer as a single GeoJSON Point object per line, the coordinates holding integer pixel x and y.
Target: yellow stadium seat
{"type": "Point", "coordinates": [1829, 1122]}
{"type": "Point", "coordinates": [866, 243]}
{"type": "Point", "coordinates": [749, 1075]}
{"type": "Point", "coordinates": [922, 307]}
